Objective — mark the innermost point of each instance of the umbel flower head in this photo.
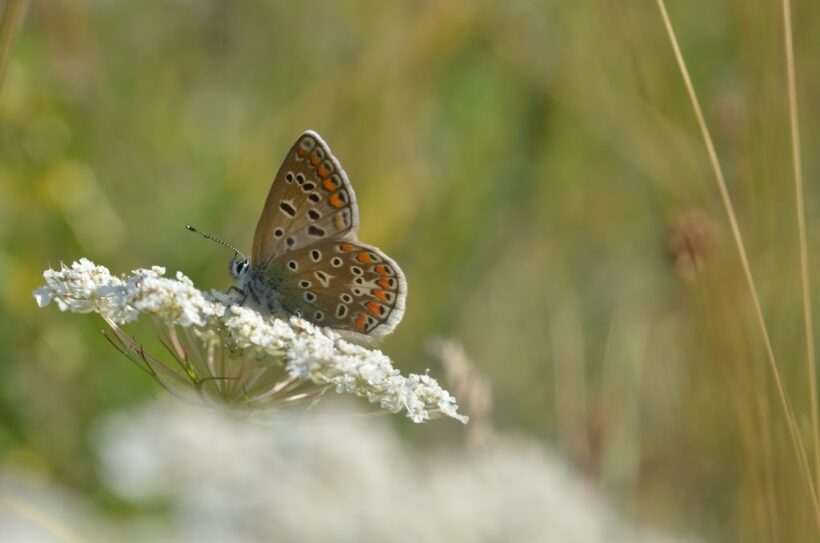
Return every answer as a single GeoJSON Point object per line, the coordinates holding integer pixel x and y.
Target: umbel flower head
{"type": "Point", "coordinates": [231, 355]}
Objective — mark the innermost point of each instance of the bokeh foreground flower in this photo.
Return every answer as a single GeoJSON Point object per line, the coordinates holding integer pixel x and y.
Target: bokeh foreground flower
{"type": "Point", "coordinates": [231, 355]}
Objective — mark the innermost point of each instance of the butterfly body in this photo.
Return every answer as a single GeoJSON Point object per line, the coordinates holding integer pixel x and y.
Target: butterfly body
{"type": "Point", "coordinates": [306, 259]}
{"type": "Point", "coordinates": [262, 286]}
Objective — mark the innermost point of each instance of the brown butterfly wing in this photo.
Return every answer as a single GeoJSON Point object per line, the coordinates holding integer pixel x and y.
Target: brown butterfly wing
{"type": "Point", "coordinates": [311, 199]}
{"type": "Point", "coordinates": [343, 284]}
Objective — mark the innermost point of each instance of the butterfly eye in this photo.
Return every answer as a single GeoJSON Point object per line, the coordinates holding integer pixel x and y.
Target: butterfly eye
{"type": "Point", "coordinates": [237, 267]}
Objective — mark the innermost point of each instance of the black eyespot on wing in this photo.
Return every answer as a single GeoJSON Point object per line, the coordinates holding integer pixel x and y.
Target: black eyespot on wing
{"type": "Point", "coordinates": [289, 177]}
{"type": "Point", "coordinates": [288, 209]}
{"type": "Point", "coordinates": [289, 242]}
{"type": "Point", "coordinates": [315, 197]}
{"type": "Point", "coordinates": [319, 316]}
{"type": "Point", "coordinates": [336, 262]}
{"type": "Point", "coordinates": [278, 233]}
{"type": "Point", "coordinates": [310, 297]}
{"type": "Point", "coordinates": [314, 215]}
{"type": "Point", "coordinates": [341, 311]}
{"type": "Point", "coordinates": [293, 265]}
{"type": "Point", "coordinates": [345, 297]}
{"type": "Point", "coordinates": [300, 178]}
{"type": "Point", "coordinates": [317, 156]}
{"type": "Point", "coordinates": [315, 231]}
{"type": "Point", "coordinates": [326, 168]}
{"type": "Point", "coordinates": [315, 255]}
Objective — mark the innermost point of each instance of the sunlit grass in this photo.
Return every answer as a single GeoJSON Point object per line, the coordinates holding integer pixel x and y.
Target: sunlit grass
{"type": "Point", "coordinates": [800, 449]}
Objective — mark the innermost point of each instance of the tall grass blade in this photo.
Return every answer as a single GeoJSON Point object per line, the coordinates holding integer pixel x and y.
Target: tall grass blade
{"type": "Point", "coordinates": [801, 229]}
{"type": "Point", "coordinates": [797, 441]}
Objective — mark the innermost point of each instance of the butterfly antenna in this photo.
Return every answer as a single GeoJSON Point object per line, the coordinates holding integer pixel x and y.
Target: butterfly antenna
{"type": "Point", "coordinates": [210, 237]}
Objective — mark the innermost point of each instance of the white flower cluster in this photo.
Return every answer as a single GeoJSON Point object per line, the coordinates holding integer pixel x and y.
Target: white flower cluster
{"type": "Point", "coordinates": [321, 477]}
{"type": "Point", "coordinates": [87, 288]}
{"type": "Point", "coordinates": [328, 475]}
{"type": "Point", "coordinates": [307, 352]}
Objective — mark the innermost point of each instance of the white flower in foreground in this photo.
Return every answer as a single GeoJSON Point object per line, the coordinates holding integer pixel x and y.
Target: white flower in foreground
{"type": "Point", "coordinates": [326, 477]}
{"type": "Point", "coordinates": [232, 355]}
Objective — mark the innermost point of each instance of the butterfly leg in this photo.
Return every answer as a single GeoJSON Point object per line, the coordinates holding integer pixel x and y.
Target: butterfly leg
{"type": "Point", "coordinates": [240, 291]}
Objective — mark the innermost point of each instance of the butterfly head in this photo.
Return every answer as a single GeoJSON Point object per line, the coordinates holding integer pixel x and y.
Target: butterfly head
{"type": "Point", "coordinates": [239, 266]}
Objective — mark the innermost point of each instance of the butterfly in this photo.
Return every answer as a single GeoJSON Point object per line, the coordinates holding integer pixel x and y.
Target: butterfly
{"type": "Point", "coordinates": [306, 258]}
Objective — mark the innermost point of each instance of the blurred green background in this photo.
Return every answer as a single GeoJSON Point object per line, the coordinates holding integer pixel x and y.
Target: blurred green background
{"type": "Point", "coordinates": [535, 168]}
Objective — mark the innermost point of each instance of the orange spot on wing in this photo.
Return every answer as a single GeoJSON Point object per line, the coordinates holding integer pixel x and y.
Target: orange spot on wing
{"type": "Point", "coordinates": [380, 294]}
{"type": "Point", "coordinates": [384, 282]}
{"type": "Point", "coordinates": [361, 322]}
{"type": "Point", "coordinates": [323, 172]}
{"type": "Point", "coordinates": [314, 158]}
{"type": "Point", "coordinates": [301, 152]}
{"type": "Point", "coordinates": [381, 269]}
{"type": "Point", "coordinates": [336, 202]}
{"type": "Point", "coordinates": [374, 308]}
{"type": "Point", "coordinates": [329, 184]}
{"type": "Point", "coordinates": [346, 247]}
{"type": "Point", "coordinates": [364, 258]}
